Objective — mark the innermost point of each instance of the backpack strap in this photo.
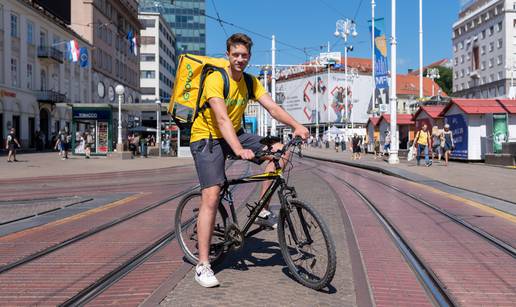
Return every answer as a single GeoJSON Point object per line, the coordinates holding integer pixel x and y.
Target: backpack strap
{"type": "Point", "coordinates": [207, 70]}
{"type": "Point", "coordinates": [250, 93]}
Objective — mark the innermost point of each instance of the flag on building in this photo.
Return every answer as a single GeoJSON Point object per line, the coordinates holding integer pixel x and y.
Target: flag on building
{"type": "Point", "coordinates": [84, 57]}
{"type": "Point", "coordinates": [74, 50]}
{"type": "Point", "coordinates": [133, 47]}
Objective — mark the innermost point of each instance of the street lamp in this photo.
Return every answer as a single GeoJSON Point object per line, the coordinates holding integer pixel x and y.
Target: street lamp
{"type": "Point", "coordinates": [433, 73]}
{"type": "Point", "coordinates": [344, 28]}
{"type": "Point", "coordinates": [158, 126]}
{"type": "Point", "coordinates": [119, 90]}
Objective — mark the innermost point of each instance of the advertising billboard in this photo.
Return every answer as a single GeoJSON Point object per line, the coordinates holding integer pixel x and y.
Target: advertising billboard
{"type": "Point", "coordinates": [459, 129]}
{"type": "Point", "coordinates": [299, 96]}
{"type": "Point", "coordinates": [380, 54]}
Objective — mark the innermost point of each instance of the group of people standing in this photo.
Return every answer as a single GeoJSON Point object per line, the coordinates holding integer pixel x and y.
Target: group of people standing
{"type": "Point", "coordinates": [437, 143]}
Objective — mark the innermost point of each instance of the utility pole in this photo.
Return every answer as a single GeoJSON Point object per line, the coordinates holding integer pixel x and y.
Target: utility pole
{"type": "Point", "coordinates": [393, 155]}
{"type": "Point", "coordinates": [420, 49]}
{"type": "Point", "coordinates": [273, 82]}
{"type": "Point", "coordinates": [264, 114]}
{"type": "Point", "coordinates": [316, 104]}
{"type": "Point", "coordinates": [373, 73]}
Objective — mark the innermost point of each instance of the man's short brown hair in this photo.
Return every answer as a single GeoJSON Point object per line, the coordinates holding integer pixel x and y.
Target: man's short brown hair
{"type": "Point", "coordinates": [239, 39]}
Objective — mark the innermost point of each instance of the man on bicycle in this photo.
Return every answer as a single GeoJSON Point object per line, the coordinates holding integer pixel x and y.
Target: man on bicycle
{"type": "Point", "coordinates": [217, 133]}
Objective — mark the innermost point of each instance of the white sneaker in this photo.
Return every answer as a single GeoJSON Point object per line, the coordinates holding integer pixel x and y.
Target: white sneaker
{"type": "Point", "coordinates": [267, 219]}
{"type": "Point", "coordinates": [204, 276]}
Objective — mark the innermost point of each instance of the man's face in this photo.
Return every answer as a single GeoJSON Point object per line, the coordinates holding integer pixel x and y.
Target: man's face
{"type": "Point", "coordinates": [238, 57]}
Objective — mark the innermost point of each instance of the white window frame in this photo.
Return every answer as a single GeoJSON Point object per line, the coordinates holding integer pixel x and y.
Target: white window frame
{"type": "Point", "coordinates": [14, 72]}
{"type": "Point", "coordinates": [15, 31]}
{"type": "Point", "coordinates": [30, 32]}
{"type": "Point", "coordinates": [30, 75]}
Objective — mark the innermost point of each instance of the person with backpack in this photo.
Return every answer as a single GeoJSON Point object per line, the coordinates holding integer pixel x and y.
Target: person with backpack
{"type": "Point", "coordinates": [11, 144]}
{"type": "Point", "coordinates": [217, 133]}
{"type": "Point", "coordinates": [422, 142]}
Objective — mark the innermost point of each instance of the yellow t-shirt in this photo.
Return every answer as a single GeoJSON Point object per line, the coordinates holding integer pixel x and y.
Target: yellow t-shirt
{"type": "Point", "coordinates": [422, 137]}
{"type": "Point", "coordinates": [235, 103]}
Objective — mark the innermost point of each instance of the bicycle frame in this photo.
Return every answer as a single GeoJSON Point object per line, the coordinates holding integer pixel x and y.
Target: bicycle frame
{"type": "Point", "coordinates": [277, 182]}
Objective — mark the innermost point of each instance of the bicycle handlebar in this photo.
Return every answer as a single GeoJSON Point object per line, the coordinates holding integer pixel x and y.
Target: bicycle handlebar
{"type": "Point", "coordinates": [277, 154]}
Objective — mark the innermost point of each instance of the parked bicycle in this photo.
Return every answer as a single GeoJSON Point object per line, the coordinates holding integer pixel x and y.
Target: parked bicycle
{"type": "Point", "coordinates": [304, 238]}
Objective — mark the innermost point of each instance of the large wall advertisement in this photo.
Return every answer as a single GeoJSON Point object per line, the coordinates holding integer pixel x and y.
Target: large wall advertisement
{"type": "Point", "coordinates": [298, 98]}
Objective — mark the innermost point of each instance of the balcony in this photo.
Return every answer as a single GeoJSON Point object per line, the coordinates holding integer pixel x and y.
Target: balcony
{"type": "Point", "coordinates": [50, 54]}
{"type": "Point", "coordinates": [50, 96]}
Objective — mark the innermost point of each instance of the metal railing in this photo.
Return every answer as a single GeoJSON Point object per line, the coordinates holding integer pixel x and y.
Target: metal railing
{"type": "Point", "coordinates": [50, 96]}
{"type": "Point", "coordinates": [50, 52]}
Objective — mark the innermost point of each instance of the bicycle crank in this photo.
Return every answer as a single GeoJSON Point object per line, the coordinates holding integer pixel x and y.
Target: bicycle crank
{"type": "Point", "coordinates": [234, 237]}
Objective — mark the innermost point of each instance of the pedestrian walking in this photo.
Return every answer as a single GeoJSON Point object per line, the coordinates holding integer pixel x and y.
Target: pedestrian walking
{"type": "Point", "coordinates": [143, 146]}
{"type": "Point", "coordinates": [337, 141]}
{"type": "Point", "coordinates": [376, 149]}
{"type": "Point", "coordinates": [387, 142]}
{"type": "Point", "coordinates": [422, 143]}
{"type": "Point", "coordinates": [12, 144]}
{"type": "Point", "coordinates": [436, 143]}
{"type": "Point", "coordinates": [449, 145]}
{"type": "Point", "coordinates": [64, 142]}
{"type": "Point", "coordinates": [355, 146]}
{"type": "Point", "coordinates": [88, 145]}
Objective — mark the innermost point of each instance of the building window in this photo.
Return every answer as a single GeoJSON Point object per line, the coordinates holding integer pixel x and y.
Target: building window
{"type": "Point", "coordinates": [30, 33]}
{"type": "Point", "coordinates": [148, 23]}
{"type": "Point", "coordinates": [483, 34]}
{"type": "Point", "coordinates": [491, 47]}
{"type": "Point", "coordinates": [29, 76]}
{"type": "Point", "coordinates": [500, 75]}
{"type": "Point", "coordinates": [148, 91]}
{"type": "Point", "coordinates": [499, 61]}
{"type": "Point", "coordinates": [491, 30]}
{"type": "Point", "coordinates": [147, 74]}
{"type": "Point", "coordinates": [14, 72]}
{"type": "Point", "coordinates": [456, 75]}
{"type": "Point", "coordinates": [483, 50]}
{"type": "Point", "coordinates": [484, 80]}
{"type": "Point", "coordinates": [483, 66]}
{"type": "Point", "coordinates": [148, 40]}
{"type": "Point", "coordinates": [462, 59]}
{"type": "Point", "coordinates": [491, 78]}
{"type": "Point", "coordinates": [499, 27]}
{"type": "Point", "coordinates": [500, 43]}
{"type": "Point", "coordinates": [491, 62]}
{"type": "Point", "coordinates": [148, 57]}
{"type": "Point", "coordinates": [476, 58]}
{"type": "Point", "coordinates": [14, 25]}
{"type": "Point", "coordinates": [462, 73]}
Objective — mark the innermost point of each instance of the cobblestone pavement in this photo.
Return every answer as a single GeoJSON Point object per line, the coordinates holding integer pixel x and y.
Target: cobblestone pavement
{"type": "Point", "coordinates": [258, 276]}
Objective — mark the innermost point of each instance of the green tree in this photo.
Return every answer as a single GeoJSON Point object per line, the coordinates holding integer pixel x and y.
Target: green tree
{"type": "Point", "coordinates": [446, 79]}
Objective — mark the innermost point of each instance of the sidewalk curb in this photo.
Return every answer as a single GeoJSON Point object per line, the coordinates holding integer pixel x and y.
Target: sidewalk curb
{"type": "Point", "coordinates": [395, 174]}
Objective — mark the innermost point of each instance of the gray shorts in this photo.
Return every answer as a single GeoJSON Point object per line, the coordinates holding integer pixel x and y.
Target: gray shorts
{"type": "Point", "coordinates": [210, 164]}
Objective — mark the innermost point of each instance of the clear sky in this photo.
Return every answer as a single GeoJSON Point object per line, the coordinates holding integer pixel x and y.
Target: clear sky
{"type": "Point", "coordinates": [310, 24]}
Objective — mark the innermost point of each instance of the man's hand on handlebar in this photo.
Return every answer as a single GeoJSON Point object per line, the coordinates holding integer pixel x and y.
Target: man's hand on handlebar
{"type": "Point", "coordinates": [302, 132]}
{"type": "Point", "coordinates": [246, 154]}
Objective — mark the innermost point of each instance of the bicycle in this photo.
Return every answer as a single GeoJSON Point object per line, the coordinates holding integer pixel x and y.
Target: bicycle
{"type": "Point", "coordinates": [304, 238]}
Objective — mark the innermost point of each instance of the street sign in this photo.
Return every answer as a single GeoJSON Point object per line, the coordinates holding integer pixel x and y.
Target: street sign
{"type": "Point", "coordinates": [383, 108]}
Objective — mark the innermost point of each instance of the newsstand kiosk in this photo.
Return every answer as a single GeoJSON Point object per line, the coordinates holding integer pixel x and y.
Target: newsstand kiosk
{"type": "Point", "coordinates": [95, 120]}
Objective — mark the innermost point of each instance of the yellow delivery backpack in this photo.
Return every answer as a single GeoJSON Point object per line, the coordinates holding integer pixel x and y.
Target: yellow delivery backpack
{"type": "Point", "coordinates": [185, 102]}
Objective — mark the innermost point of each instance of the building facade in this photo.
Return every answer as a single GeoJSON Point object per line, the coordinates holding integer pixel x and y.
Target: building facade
{"type": "Point", "coordinates": [186, 18]}
{"type": "Point", "coordinates": [157, 58]}
{"type": "Point", "coordinates": [36, 75]}
{"type": "Point", "coordinates": [107, 25]}
{"type": "Point", "coordinates": [484, 49]}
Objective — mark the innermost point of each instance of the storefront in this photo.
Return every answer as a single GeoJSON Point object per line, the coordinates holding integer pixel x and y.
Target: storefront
{"type": "Point", "coordinates": [95, 121]}
{"type": "Point", "coordinates": [373, 132]}
{"type": "Point", "coordinates": [473, 122]}
{"type": "Point", "coordinates": [429, 115]}
{"type": "Point", "coordinates": [405, 127]}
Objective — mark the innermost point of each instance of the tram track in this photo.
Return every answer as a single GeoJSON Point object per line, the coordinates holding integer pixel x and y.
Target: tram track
{"type": "Point", "coordinates": [93, 231]}
{"type": "Point", "coordinates": [435, 289]}
{"type": "Point", "coordinates": [105, 282]}
{"type": "Point", "coordinates": [498, 243]}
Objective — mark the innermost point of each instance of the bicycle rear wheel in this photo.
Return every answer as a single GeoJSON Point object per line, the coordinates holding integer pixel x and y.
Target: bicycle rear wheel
{"type": "Point", "coordinates": [306, 245]}
{"type": "Point", "coordinates": [186, 229]}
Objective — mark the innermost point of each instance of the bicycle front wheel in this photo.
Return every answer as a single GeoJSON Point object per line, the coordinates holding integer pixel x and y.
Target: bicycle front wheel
{"type": "Point", "coordinates": [306, 245]}
{"type": "Point", "coordinates": [186, 229]}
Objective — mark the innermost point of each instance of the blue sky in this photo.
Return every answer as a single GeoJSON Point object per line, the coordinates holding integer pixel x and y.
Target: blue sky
{"type": "Point", "coordinates": [311, 23]}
